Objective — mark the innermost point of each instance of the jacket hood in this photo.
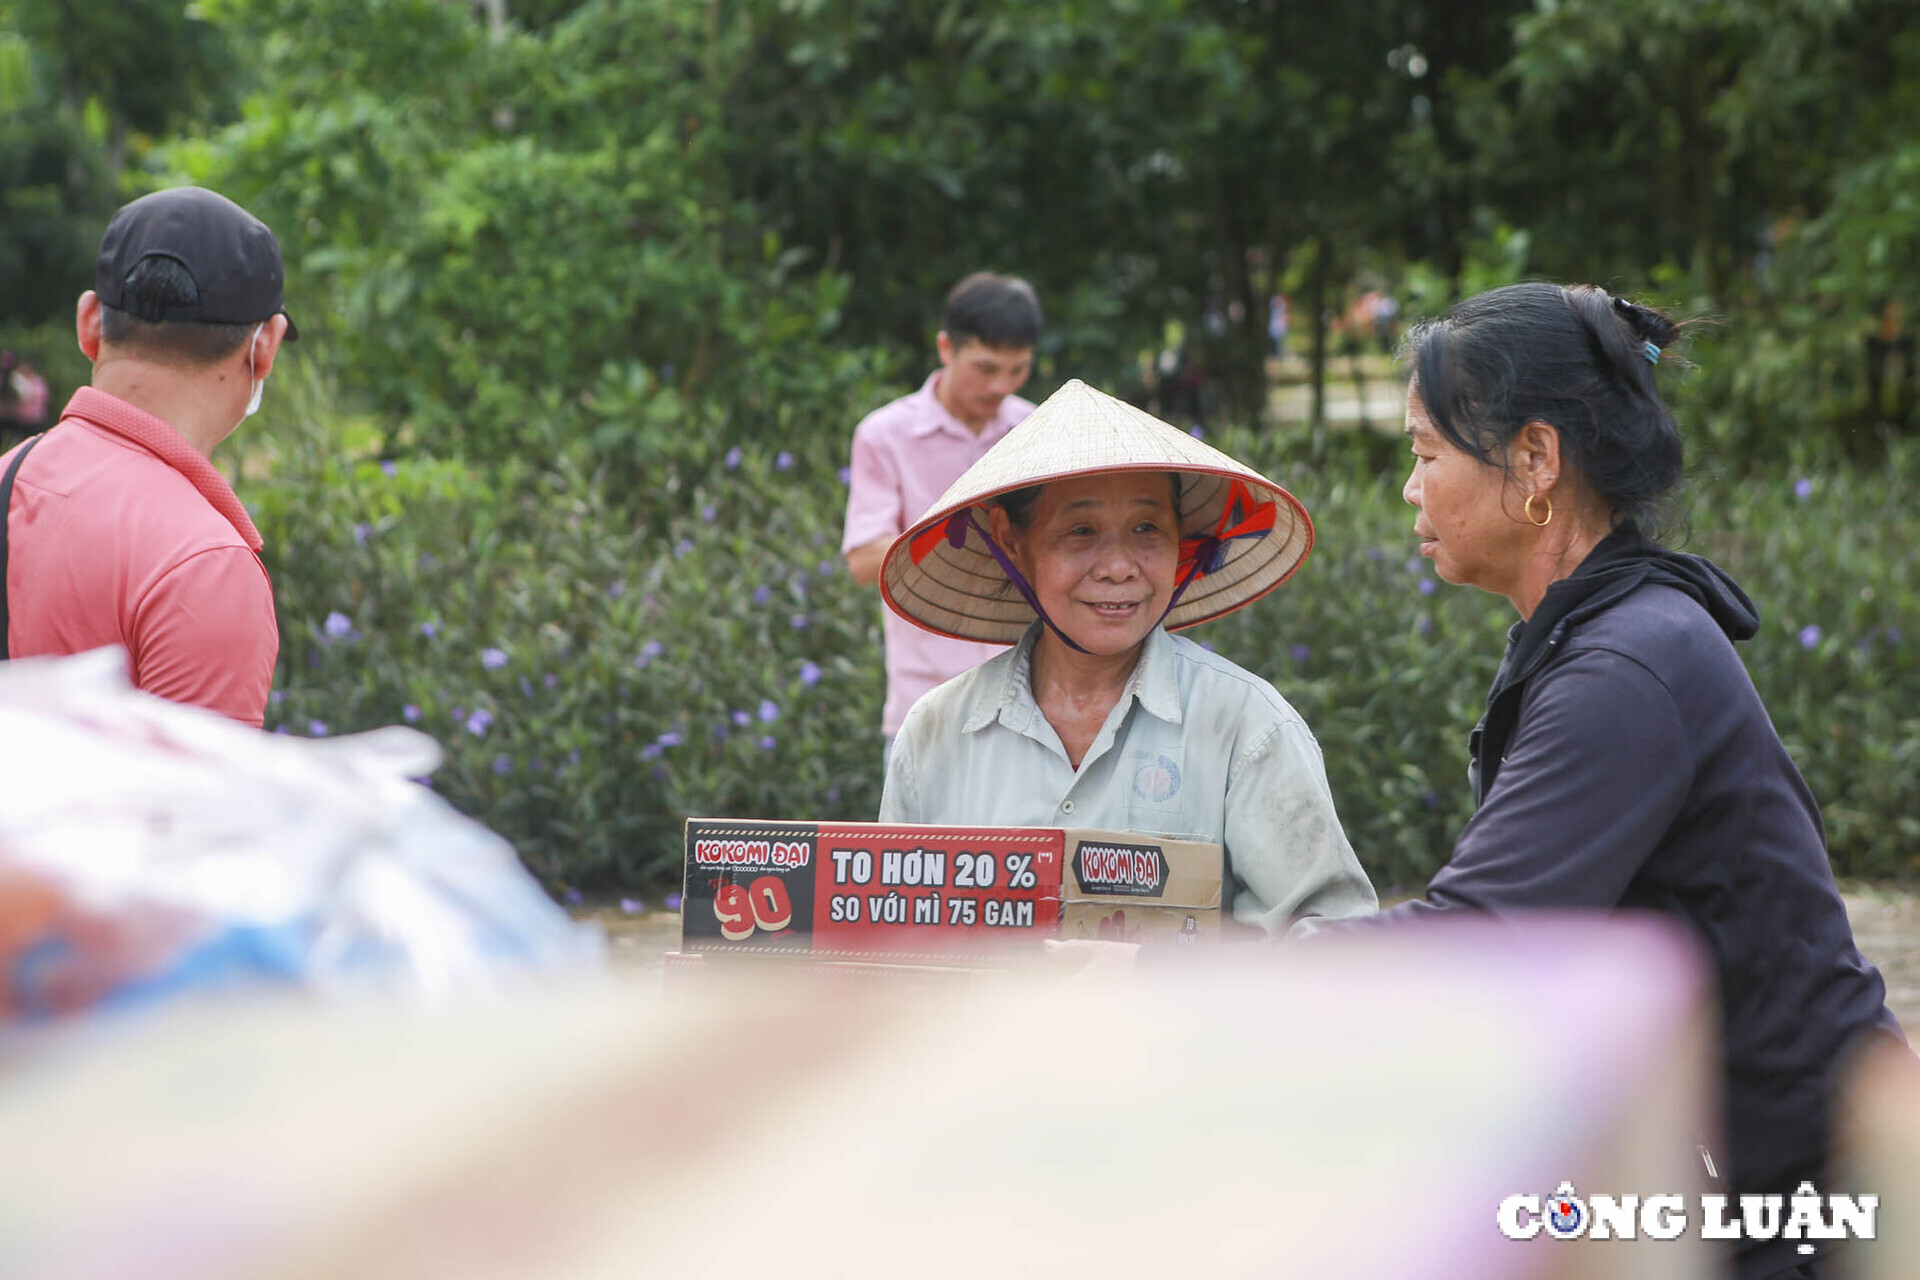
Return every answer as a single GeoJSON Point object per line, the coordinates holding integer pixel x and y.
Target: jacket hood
{"type": "Point", "coordinates": [1621, 563]}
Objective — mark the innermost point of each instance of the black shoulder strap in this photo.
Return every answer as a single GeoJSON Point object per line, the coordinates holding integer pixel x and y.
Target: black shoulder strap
{"type": "Point", "coordinates": [6, 504]}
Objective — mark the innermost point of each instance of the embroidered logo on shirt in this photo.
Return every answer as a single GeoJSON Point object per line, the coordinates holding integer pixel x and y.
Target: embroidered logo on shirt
{"type": "Point", "coordinates": [1157, 780]}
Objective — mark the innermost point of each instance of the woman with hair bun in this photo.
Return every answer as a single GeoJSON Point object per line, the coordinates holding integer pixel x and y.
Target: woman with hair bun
{"type": "Point", "coordinates": [1624, 759]}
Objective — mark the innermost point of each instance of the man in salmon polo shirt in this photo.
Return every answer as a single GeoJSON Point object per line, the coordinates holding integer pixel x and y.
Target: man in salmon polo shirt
{"type": "Point", "coordinates": [907, 453]}
{"type": "Point", "coordinates": [118, 530]}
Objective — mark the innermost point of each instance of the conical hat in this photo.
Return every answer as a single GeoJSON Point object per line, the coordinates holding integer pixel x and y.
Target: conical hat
{"type": "Point", "coordinates": [1247, 533]}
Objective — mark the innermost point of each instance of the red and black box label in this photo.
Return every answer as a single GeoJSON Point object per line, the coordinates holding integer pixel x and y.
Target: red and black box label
{"type": "Point", "coordinates": [1113, 869]}
{"type": "Point", "coordinates": [869, 887]}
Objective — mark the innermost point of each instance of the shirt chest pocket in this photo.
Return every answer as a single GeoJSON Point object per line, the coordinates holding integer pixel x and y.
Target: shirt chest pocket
{"type": "Point", "coordinates": [1155, 780]}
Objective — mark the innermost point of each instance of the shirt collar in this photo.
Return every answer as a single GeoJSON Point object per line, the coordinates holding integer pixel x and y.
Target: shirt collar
{"type": "Point", "coordinates": [932, 416]}
{"type": "Point", "coordinates": [1155, 683]}
{"type": "Point", "coordinates": [140, 428]}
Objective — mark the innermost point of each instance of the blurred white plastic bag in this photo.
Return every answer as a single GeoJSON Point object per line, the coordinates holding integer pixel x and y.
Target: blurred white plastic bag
{"type": "Point", "coordinates": [147, 847]}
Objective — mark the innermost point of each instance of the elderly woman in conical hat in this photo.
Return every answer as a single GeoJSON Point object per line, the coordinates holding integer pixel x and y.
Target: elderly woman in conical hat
{"type": "Point", "coordinates": [1085, 538]}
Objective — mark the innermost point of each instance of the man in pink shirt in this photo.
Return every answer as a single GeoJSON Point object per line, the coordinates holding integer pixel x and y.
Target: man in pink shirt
{"type": "Point", "coordinates": [906, 454]}
{"type": "Point", "coordinates": [118, 529]}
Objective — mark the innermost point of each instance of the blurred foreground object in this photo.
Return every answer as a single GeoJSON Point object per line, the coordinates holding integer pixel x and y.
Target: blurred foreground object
{"type": "Point", "coordinates": [1880, 1131]}
{"type": "Point", "coordinates": [1361, 1111]}
{"type": "Point", "coordinates": [148, 848]}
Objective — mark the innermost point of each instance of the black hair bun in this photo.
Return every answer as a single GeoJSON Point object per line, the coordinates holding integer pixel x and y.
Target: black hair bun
{"type": "Point", "coordinates": [1648, 325]}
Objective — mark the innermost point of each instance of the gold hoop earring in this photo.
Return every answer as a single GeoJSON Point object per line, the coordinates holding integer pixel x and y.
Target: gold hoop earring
{"type": "Point", "coordinates": [1528, 511]}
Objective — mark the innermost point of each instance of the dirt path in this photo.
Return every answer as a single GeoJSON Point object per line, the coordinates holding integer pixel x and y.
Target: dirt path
{"type": "Point", "coordinates": [1886, 923]}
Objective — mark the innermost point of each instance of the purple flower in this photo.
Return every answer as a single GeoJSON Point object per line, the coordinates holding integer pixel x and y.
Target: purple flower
{"type": "Point", "coordinates": [573, 757]}
{"type": "Point", "coordinates": [361, 532]}
{"type": "Point", "coordinates": [479, 722]}
{"type": "Point", "coordinates": [502, 766]}
{"type": "Point", "coordinates": [338, 624]}
{"type": "Point", "coordinates": [767, 743]}
{"type": "Point", "coordinates": [769, 711]}
{"type": "Point", "coordinates": [526, 687]}
{"type": "Point", "coordinates": [652, 649]}
{"type": "Point", "coordinates": [1424, 626]}
{"type": "Point", "coordinates": [1809, 635]}
{"type": "Point", "coordinates": [1893, 635]}
{"type": "Point", "coordinates": [668, 739]}
{"type": "Point", "coordinates": [1803, 489]}
{"type": "Point", "coordinates": [279, 728]}
{"type": "Point", "coordinates": [1426, 586]}
{"type": "Point", "coordinates": [720, 730]}
{"type": "Point", "coordinates": [846, 475]}
{"type": "Point", "coordinates": [1207, 645]}
{"type": "Point", "coordinates": [277, 697]}
{"type": "Point", "coordinates": [410, 713]}
{"type": "Point", "coordinates": [549, 680]}
{"type": "Point", "coordinates": [762, 593]}
{"type": "Point", "coordinates": [683, 546]}
{"type": "Point", "coordinates": [826, 568]}
{"type": "Point", "coordinates": [429, 629]}
{"type": "Point", "coordinates": [809, 674]}
{"type": "Point", "coordinates": [458, 715]}
{"type": "Point", "coordinates": [572, 895]}
{"type": "Point", "coordinates": [798, 622]}
{"type": "Point", "coordinates": [426, 560]}
{"type": "Point", "coordinates": [316, 728]}
{"type": "Point", "coordinates": [673, 902]}
{"type": "Point", "coordinates": [660, 773]}
{"type": "Point", "coordinates": [632, 906]}
{"type": "Point", "coordinates": [782, 460]}
{"type": "Point", "coordinates": [615, 590]}
{"type": "Point", "coordinates": [742, 719]}
{"type": "Point", "coordinates": [1375, 554]}
{"type": "Point", "coordinates": [493, 659]}
{"type": "Point", "coordinates": [389, 469]}
{"type": "Point", "coordinates": [733, 458]}
{"type": "Point", "coordinates": [708, 513]}
{"type": "Point", "coordinates": [833, 795]}
{"type": "Point", "coordinates": [651, 751]}
{"type": "Point", "coordinates": [1197, 431]}
{"type": "Point", "coordinates": [1300, 653]}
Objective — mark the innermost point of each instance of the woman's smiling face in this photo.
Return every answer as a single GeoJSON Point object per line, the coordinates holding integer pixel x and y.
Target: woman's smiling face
{"type": "Point", "coordinates": [1101, 553]}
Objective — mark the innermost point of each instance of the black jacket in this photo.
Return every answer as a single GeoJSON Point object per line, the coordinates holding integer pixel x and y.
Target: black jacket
{"type": "Point", "coordinates": [1626, 761]}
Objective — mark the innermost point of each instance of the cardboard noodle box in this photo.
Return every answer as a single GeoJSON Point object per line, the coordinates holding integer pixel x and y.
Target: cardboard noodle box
{"type": "Point", "coordinates": [933, 894]}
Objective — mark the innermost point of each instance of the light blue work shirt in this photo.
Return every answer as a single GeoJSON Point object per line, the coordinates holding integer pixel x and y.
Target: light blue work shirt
{"type": "Point", "coordinates": [1195, 748]}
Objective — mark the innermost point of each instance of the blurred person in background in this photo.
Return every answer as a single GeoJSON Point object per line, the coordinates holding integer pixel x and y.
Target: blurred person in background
{"type": "Point", "coordinates": [23, 395]}
{"type": "Point", "coordinates": [118, 529]}
{"type": "Point", "coordinates": [1279, 324]}
{"type": "Point", "coordinates": [906, 453]}
{"type": "Point", "coordinates": [1625, 760]}
{"type": "Point", "coordinates": [1082, 539]}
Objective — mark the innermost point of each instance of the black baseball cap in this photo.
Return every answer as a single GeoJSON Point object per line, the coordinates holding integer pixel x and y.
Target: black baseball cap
{"type": "Point", "coordinates": [231, 255]}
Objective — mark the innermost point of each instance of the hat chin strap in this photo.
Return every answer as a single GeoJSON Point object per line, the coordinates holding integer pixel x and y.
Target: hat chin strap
{"type": "Point", "coordinates": [1200, 561]}
{"type": "Point", "coordinates": [957, 526]}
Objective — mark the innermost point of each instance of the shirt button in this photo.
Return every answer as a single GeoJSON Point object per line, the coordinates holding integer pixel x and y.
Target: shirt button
{"type": "Point", "coordinates": [1066, 806]}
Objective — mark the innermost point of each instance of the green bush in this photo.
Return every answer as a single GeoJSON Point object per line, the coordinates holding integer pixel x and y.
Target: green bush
{"type": "Point", "coordinates": [595, 680]}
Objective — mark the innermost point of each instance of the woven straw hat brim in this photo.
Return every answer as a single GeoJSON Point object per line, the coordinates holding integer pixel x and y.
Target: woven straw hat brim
{"type": "Point", "coordinates": [960, 590]}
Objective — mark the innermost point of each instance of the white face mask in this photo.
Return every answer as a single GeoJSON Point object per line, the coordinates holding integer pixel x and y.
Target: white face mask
{"type": "Point", "coordinates": [253, 401]}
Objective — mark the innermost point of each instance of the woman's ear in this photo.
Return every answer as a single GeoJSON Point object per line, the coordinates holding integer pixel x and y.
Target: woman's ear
{"type": "Point", "coordinates": [1012, 540]}
{"type": "Point", "coordinates": [1533, 456]}
{"type": "Point", "coordinates": [1000, 525]}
